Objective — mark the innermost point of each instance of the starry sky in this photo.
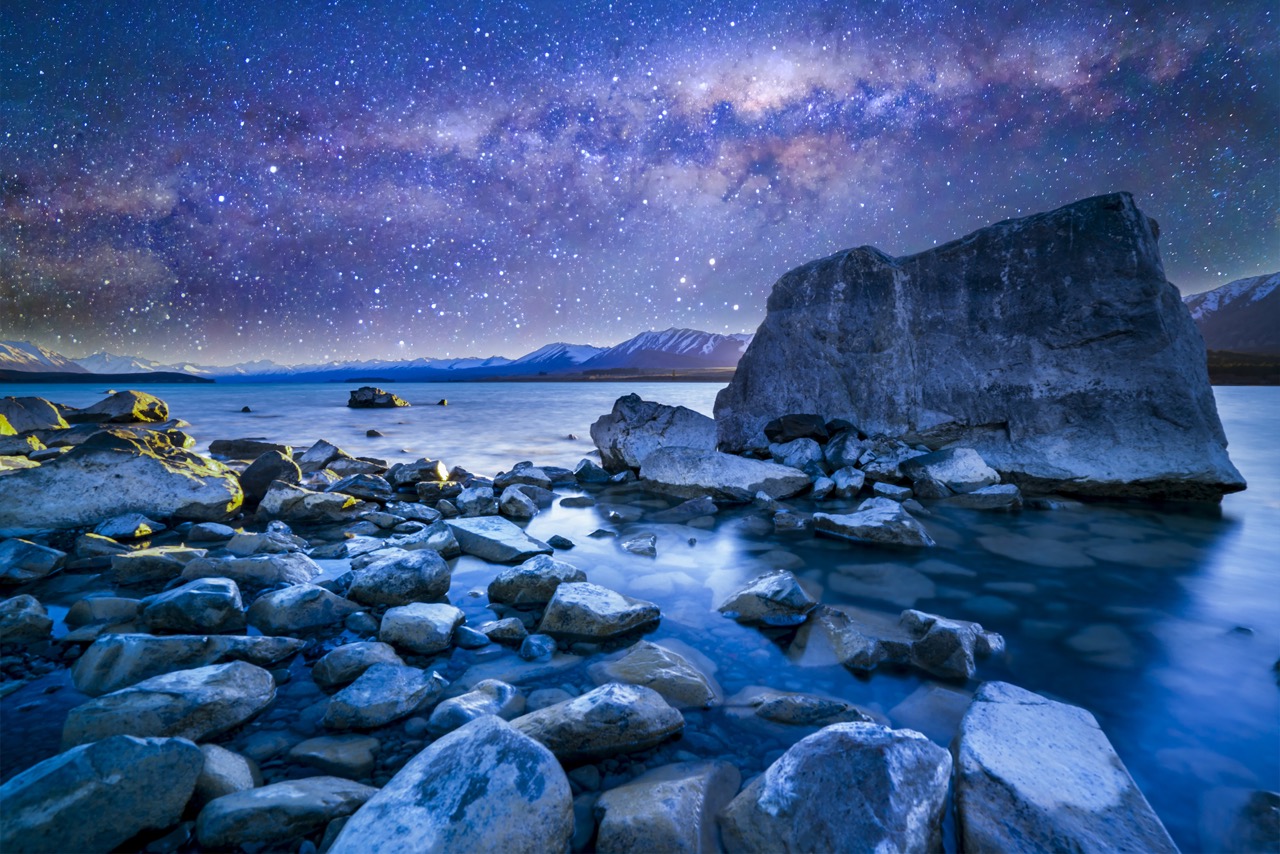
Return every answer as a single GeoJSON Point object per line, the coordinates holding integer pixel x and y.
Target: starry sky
{"type": "Point", "coordinates": [306, 181]}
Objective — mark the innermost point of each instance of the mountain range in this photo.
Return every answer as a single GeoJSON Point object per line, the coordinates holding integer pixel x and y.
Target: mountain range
{"type": "Point", "coordinates": [1241, 317]}
{"type": "Point", "coordinates": [666, 350]}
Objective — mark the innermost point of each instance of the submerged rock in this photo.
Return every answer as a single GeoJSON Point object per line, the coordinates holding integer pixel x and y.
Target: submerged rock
{"type": "Point", "coordinates": [1051, 345]}
{"type": "Point", "coordinates": [22, 561]}
{"type": "Point", "coordinates": [609, 720]}
{"type": "Point", "coordinates": [636, 428]}
{"type": "Point", "coordinates": [488, 697]}
{"type": "Point", "coordinates": [672, 675]}
{"type": "Point", "coordinates": [693, 472]}
{"type": "Point", "coordinates": [881, 521]}
{"type": "Point", "coordinates": [116, 661]}
{"type": "Point", "coordinates": [585, 611]}
{"type": "Point", "coordinates": [483, 787]}
{"type": "Point", "coordinates": [774, 599]}
{"type": "Point", "coordinates": [369, 397]}
{"type": "Point", "coordinates": [97, 796]}
{"type": "Point", "coordinates": [672, 808]}
{"type": "Point", "coordinates": [1036, 774]}
{"type": "Point", "coordinates": [795, 709]}
{"type": "Point", "coordinates": [848, 787]}
{"type": "Point", "coordinates": [24, 620]}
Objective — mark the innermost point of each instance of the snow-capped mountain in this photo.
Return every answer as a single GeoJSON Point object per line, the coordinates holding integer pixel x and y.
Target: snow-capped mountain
{"type": "Point", "coordinates": [109, 363]}
{"type": "Point", "coordinates": [558, 356]}
{"type": "Point", "coordinates": [673, 348]}
{"type": "Point", "coordinates": [27, 357]}
{"type": "Point", "coordinates": [1242, 316]}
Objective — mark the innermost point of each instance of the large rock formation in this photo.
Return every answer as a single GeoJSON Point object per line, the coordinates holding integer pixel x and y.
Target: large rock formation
{"type": "Point", "coordinates": [1052, 345]}
{"type": "Point", "coordinates": [636, 428]}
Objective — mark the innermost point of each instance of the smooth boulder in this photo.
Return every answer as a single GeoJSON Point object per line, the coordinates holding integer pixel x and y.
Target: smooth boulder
{"type": "Point", "coordinates": [381, 694]}
{"type": "Point", "coordinates": [694, 472]}
{"type": "Point", "coordinates": [280, 812]}
{"type": "Point", "coordinates": [878, 521]}
{"type": "Point", "coordinates": [609, 720]}
{"type": "Point", "coordinates": [671, 808]}
{"type": "Point", "coordinates": [636, 428]}
{"type": "Point", "coordinates": [533, 582]}
{"type": "Point", "coordinates": [664, 670]}
{"type": "Point", "coordinates": [774, 599]}
{"type": "Point", "coordinates": [116, 661]}
{"type": "Point", "coordinates": [22, 561]}
{"type": "Point", "coordinates": [402, 577]}
{"type": "Point", "coordinates": [370, 397]}
{"type": "Point", "coordinates": [203, 605]}
{"type": "Point", "coordinates": [584, 611]}
{"type": "Point", "coordinates": [496, 540]}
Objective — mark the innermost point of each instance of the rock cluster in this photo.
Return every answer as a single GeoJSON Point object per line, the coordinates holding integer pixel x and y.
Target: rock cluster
{"type": "Point", "coordinates": [368, 397]}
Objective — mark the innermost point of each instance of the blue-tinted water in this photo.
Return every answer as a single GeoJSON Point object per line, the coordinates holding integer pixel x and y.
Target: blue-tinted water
{"type": "Point", "coordinates": [1162, 621]}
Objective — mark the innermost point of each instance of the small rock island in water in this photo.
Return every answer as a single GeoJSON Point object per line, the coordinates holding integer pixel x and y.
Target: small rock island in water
{"type": "Point", "coordinates": [265, 651]}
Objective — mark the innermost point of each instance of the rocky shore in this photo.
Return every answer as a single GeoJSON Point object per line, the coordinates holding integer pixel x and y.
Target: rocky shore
{"type": "Point", "coordinates": [267, 652]}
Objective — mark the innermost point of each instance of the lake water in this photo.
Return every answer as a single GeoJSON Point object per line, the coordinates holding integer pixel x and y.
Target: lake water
{"type": "Point", "coordinates": [1162, 621]}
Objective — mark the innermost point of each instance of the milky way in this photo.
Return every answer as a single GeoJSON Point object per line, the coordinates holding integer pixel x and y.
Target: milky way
{"type": "Point", "coordinates": [304, 181]}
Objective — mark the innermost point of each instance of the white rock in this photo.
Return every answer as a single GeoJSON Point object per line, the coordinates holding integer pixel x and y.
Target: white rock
{"type": "Point", "coordinates": [420, 627]}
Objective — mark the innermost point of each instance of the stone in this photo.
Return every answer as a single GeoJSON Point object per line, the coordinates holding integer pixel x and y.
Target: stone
{"type": "Point", "coordinates": [691, 473]}
{"type": "Point", "coordinates": [437, 536]}
{"type": "Point", "coordinates": [1004, 496]}
{"type": "Point", "coordinates": [476, 501]}
{"type": "Point", "coordinates": [795, 709]}
{"type": "Point", "coordinates": [488, 697]}
{"type": "Point", "coordinates": [30, 413]}
{"type": "Point", "coordinates": [1033, 773]}
{"type": "Point", "coordinates": [509, 631]}
{"type": "Point", "coordinates": [537, 647]}
{"type": "Point", "coordinates": [300, 608]}
{"type": "Point", "coordinates": [297, 505]}
{"type": "Point", "coordinates": [431, 471]}
{"type": "Point", "coordinates": [280, 812]}
{"type": "Point", "coordinates": [195, 704]}
{"type": "Point", "coordinates": [606, 721]}
{"type": "Point", "coordinates": [22, 561]}
{"type": "Point", "coordinates": [160, 564]}
{"type": "Point", "coordinates": [1052, 345]}
{"type": "Point", "coordinates": [255, 571]}
{"type": "Point", "coordinates": [533, 582]}
{"type": "Point", "coordinates": [369, 397]}
{"type": "Point", "coordinates": [102, 609]}
{"type": "Point", "coordinates": [789, 428]}
{"type": "Point", "coordinates": [522, 474]}
{"type": "Point", "coordinates": [560, 543]}
{"type": "Point", "coordinates": [947, 648]}
{"type": "Point", "coordinates": [672, 808]}
{"type": "Point", "coordinates": [116, 471]}
{"type": "Point", "coordinates": [247, 449]}
{"type": "Point", "coordinates": [128, 526]}
{"type": "Point", "coordinates": [645, 545]}
{"type": "Point", "coordinates": [483, 787]}
{"type": "Point", "coordinates": [413, 511]}
{"type": "Point", "coordinates": [584, 611]}
{"type": "Point", "coordinates": [381, 694]}
{"type": "Point", "coordinates": [224, 772]}
{"type": "Point", "coordinates": [958, 469]}
{"type": "Point", "coordinates": [402, 577]}
{"type": "Point", "coordinates": [123, 407]}
{"type": "Point", "coordinates": [847, 482]}
{"type": "Point", "coordinates": [636, 428]}
{"type": "Point", "coordinates": [365, 486]}
{"type": "Point", "coordinates": [420, 627]}
{"type": "Point", "coordinates": [891, 491]}
{"type": "Point", "coordinates": [12, 463]}
{"type": "Point", "coordinates": [664, 670]}
{"type": "Point", "coordinates": [496, 540]}
{"type": "Point", "coordinates": [803, 454]}
{"type": "Point", "coordinates": [204, 605]}
{"type": "Point", "coordinates": [515, 504]}
{"type": "Point", "coordinates": [347, 662]}
{"type": "Point", "coordinates": [210, 532]}
{"type": "Point", "coordinates": [774, 599]}
{"type": "Point", "coordinates": [879, 521]}
{"type": "Point", "coordinates": [95, 797]}
{"type": "Point", "coordinates": [266, 469]}
{"type": "Point", "coordinates": [24, 620]}
{"type": "Point", "coordinates": [681, 513]}
{"type": "Point", "coordinates": [116, 661]}
{"type": "Point", "coordinates": [587, 471]}
{"type": "Point", "coordinates": [350, 756]}
{"type": "Point", "coordinates": [244, 543]}
{"type": "Point", "coordinates": [319, 455]}
{"type": "Point", "coordinates": [845, 449]}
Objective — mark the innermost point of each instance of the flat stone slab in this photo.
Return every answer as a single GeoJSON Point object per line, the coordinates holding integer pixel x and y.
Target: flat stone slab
{"type": "Point", "coordinates": [496, 540]}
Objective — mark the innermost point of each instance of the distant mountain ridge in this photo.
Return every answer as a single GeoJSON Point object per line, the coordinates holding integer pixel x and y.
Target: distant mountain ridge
{"type": "Point", "coordinates": [1240, 317]}
{"type": "Point", "coordinates": [669, 349]}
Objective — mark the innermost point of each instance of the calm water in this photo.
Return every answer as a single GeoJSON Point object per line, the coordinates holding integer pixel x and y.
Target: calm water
{"type": "Point", "coordinates": [1164, 622]}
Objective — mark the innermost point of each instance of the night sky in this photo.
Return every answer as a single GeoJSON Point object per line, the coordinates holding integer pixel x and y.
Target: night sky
{"type": "Point", "coordinates": [219, 182]}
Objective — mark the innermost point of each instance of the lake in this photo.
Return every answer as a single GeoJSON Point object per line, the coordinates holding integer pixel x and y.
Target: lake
{"type": "Point", "coordinates": [1163, 621]}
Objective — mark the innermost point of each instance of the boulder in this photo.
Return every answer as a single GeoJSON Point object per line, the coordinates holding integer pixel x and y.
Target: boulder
{"type": "Point", "coordinates": [365, 486]}
{"type": "Point", "coordinates": [645, 545]}
{"type": "Point", "coordinates": [524, 473]}
{"type": "Point", "coordinates": [957, 469]}
{"type": "Point", "coordinates": [636, 428]}
{"type": "Point", "coordinates": [247, 449]}
{"type": "Point", "coordinates": [263, 570]}
{"type": "Point", "coordinates": [437, 536]}
{"type": "Point", "coordinates": [509, 631]}
{"type": "Point", "coordinates": [267, 468]}
{"type": "Point", "coordinates": [224, 772]}
{"type": "Point", "coordinates": [351, 756]}
{"type": "Point", "coordinates": [803, 454]}
{"type": "Point", "coordinates": [845, 449]}
{"type": "Point", "coordinates": [584, 611]}
{"type": "Point", "coordinates": [204, 605]}
{"type": "Point", "coordinates": [114, 472]}
{"type": "Point", "coordinates": [431, 471]}
{"type": "Point", "coordinates": [774, 599]}
{"type": "Point", "coordinates": [280, 812]}
{"type": "Point", "coordinates": [514, 504]}
{"type": "Point", "coordinates": [116, 661]}
{"type": "Point", "coordinates": [24, 620]}
{"type": "Point", "coordinates": [295, 504]}
{"type": "Point", "coordinates": [488, 697]}
{"type": "Point", "coordinates": [694, 472]}
{"type": "Point", "coordinates": [158, 565]}
{"type": "Point", "coordinates": [245, 543]}
{"type": "Point", "coordinates": [948, 648]}
{"type": "Point", "coordinates": [683, 512]}
{"type": "Point", "coordinates": [1052, 345]}
{"type": "Point", "coordinates": [1004, 496]}
{"type": "Point", "coordinates": [664, 670]}
{"type": "Point", "coordinates": [22, 561]}
{"type": "Point", "coordinates": [880, 521]}
{"type": "Point", "coordinates": [299, 608]}
{"type": "Point", "coordinates": [420, 627]}
{"type": "Point", "coordinates": [476, 501]}
{"type": "Point", "coordinates": [496, 540]}
{"type": "Point", "coordinates": [1032, 773]}
{"type": "Point", "coordinates": [587, 471]}
{"type": "Point", "coordinates": [128, 526]}
{"type": "Point", "coordinates": [195, 704]}
{"type": "Point", "coordinates": [123, 407]}
{"type": "Point", "coordinates": [95, 797]}
{"type": "Point", "coordinates": [483, 787]}
{"type": "Point", "coordinates": [347, 662]}
{"type": "Point", "coordinates": [533, 582]}
{"type": "Point", "coordinates": [381, 694]}
{"type": "Point", "coordinates": [320, 455]}
{"type": "Point", "coordinates": [400, 578]}
{"type": "Point", "coordinates": [608, 720]}
{"type": "Point", "coordinates": [671, 808]}
{"type": "Point", "coordinates": [847, 787]}
{"type": "Point", "coordinates": [369, 397]}
{"type": "Point", "coordinates": [847, 482]}
{"type": "Point", "coordinates": [102, 609]}
{"type": "Point", "coordinates": [30, 413]}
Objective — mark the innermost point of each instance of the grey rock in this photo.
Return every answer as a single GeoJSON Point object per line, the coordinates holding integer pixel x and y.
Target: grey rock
{"type": "Point", "coordinates": [608, 720]}
{"type": "Point", "coordinates": [482, 787]}
{"type": "Point", "coordinates": [224, 772]}
{"type": "Point", "coordinates": [203, 605]}
{"type": "Point", "coordinates": [588, 472]}
{"type": "Point", "coordinates": [585, 611]}
{"type": "Point", "coordinates": [97, 796]}
{"type": "Point", "coordinates": [774, 599]}
{"type": "Point", "coordinates": [402, 577]}
{"type": "Point", "coordinates": [347, 662]}
{"type": "Point", "coordinates": [465, 637]}
{"type": "Point", "coordinates": [269, 467]}
{"type": "Point", "coordinates": [522, 474]}
{"type": "Point", "coordinates": [680, 682]}
{"type": "Point", "coordinates": [516, 505]}
{"type": "Point", "coordinates": [244, 543]}
{"type": "Point", "coordinates": [891, 491]}
{"type": "Point", "coordinates": [320, 455]}
{"type": "Point", "coordinates": [845, 449]}
{"type": "Point", "coordinates": [194, 704]}
{"type": "Point", "coordinates": [880, 521]}
{"type": "Point", "coordinates": [476, 501]}
{"type": "Point", "coordinates": [533, 582]}
{"type": "Point", "coordinates": [436, 536]}
{"type": "Point", "coordinates": [246, 449]}
{"type": "Point", "coordinates": [31, 413]}
{"type": "Point", "coordinates": [958, 469]}
{"type": "Point", "coordinates": [538, 647]}
{"type": "Point", "coordinates": [420, 627]}
{"type": "Point", "coordinates": [24, 620]}
{"type": "Point", "coordinates": [431, 471]}
{"type": "Point", "coordinates": [22, 561]}
{"type": "Point", "coordinates": [210, 532]}
{"type": "Point", "coordinates": [295, 504]}
{"type": "Point", "coordinates": [256, 571]}
{"type": "Point", "coordinates": [946, 647]}
{"type": "Point", "coordinates": [350, 756]}
{"type": "Point", "coordinates": [790, 427]}
{"type": "Point", "coordinates": [369, 397]}
{"type": "Point", "coordinates": [1003, 496]}
{"type": "Point", "coordinates": [803, 454]}
{"type": "Point", "coordinates": [681, 513]}
{"type": "Point", "coordinates": [822, 488]}
{"type": "Point", "coordinates": [795, 709]}
{"type": "Point", "coordinates": [300, 608]}
{"type": "Point", "coordinates": [116, 661]}
{"type": "Point", "coordinates": [381, 694]}
{"type": "Point", "coordinates": [848, 481]}
{"type": "Point", "coordinates": [128, 526]}
{"type": "Point", "coordinates": [509, 631]}
{"type": "Point", "coordinates": [102, 609]}
{"type": "Point", "coordinates": [645, 545]}
{"type": "Point", "coordinates": [672, 808]}
{"type": "Point", "coordinates": [160, 564]}
{"type": "Point", "coordinates": [123, 407]}
{"type": "Point", "coordinates": [368, 487]}
{"type": "Point", "coordinates": [494, 539]}
{"type": "Point", "coordinates": [1033, 773]}
{"type": "Point", "coordinates": [691, 473]}
{"type": "Point", "coordinates": [280, 812]}
{"type": "Point", "coordinates": [636, 428]}
{"type": "Point", "coordinates": [1090, 381]}
{"type": "Point", "coordinates": [488, 697]}
{"type": "Point", "coordinates": [413, 510]}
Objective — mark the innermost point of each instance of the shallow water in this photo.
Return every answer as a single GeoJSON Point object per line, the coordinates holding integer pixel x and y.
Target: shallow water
{"type": "Point", "coordinates": [1163, 621]}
